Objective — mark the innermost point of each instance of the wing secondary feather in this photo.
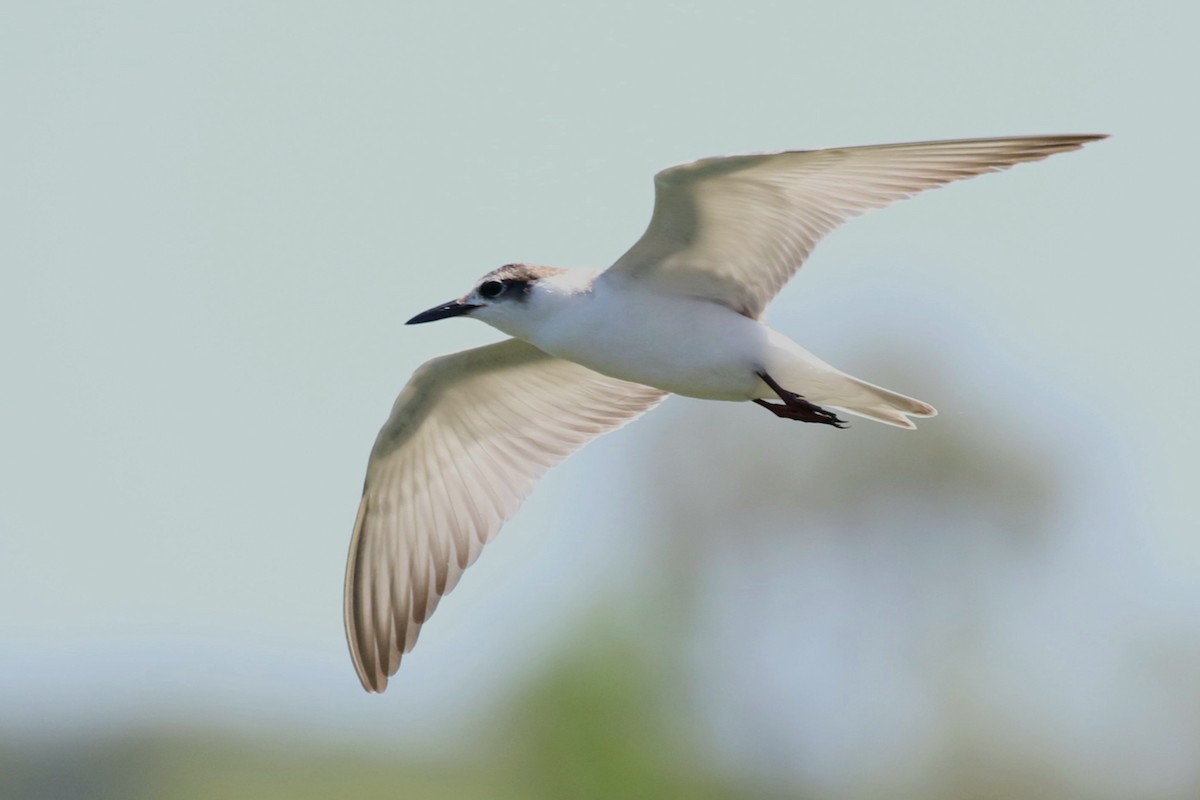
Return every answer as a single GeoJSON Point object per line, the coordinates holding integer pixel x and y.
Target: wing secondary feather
{"type": "Point", "coordinates": [467, 439]}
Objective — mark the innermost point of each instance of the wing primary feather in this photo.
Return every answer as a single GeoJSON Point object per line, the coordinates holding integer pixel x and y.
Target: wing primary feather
{"type": "Point", "coordinates": [446, 472]}
{"type": "Point", "coordinates": [357, 634]}
{"type": "Point", "coordinates": [734, 230]}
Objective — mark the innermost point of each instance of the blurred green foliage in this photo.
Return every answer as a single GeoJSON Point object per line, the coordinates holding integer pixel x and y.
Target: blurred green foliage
{"type": "Point", "coordinates": [591, 725]}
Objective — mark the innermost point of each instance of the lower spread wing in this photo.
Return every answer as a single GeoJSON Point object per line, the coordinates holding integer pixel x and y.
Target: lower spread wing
{"type": "Point", "coordinates": [467, 439]}
{"type": "Point", "coordinates": [736, 229]}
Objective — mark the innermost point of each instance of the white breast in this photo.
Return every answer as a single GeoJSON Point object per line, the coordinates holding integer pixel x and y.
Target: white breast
{"type": "Point", "coordinates": [679, 344]}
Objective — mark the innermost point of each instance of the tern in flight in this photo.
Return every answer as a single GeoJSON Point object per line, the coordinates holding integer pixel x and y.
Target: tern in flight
{"type": "Point", "coordinates": [679, 313]}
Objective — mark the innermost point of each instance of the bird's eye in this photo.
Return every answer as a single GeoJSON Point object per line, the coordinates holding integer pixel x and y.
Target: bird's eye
{"type": "Point", "coordinates": [490, 289]}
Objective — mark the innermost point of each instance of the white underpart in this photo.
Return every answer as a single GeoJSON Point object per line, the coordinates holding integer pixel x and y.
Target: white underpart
{"type": "Point", "coordinates": [685, 345]}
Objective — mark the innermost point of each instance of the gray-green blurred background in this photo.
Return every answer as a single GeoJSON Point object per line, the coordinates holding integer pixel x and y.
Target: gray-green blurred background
{"type": "Point", "coordinates": [215, 217]}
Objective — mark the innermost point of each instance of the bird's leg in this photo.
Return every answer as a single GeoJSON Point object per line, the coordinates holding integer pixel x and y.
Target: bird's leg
{"type": "Point", "coordinates": [796, 407]}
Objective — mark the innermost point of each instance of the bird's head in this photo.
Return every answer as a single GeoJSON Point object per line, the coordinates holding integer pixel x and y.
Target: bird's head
{"type": "Point", "coordinates": [509, 298]}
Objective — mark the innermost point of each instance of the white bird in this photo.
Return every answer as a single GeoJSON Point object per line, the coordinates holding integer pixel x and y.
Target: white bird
{"type": "Point", "coordinates": [680, 312]}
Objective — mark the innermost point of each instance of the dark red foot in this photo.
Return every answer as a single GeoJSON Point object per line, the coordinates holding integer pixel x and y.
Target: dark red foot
{"type": "Point", "coordinates": [795, 406]}
{"type": "Point", "coordinates": [807, 412]}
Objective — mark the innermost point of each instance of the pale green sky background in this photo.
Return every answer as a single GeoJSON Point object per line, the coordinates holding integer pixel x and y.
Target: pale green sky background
{"type": "Point", "coordinates": [215, 217]}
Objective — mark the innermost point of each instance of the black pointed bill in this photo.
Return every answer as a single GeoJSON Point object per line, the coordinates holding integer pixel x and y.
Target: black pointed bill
{"type": "Point", "coordinates": [451, 309]}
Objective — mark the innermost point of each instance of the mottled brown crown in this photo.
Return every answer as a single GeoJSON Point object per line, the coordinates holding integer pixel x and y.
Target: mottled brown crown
{"type": "Point", "coordinates": [523, 273]}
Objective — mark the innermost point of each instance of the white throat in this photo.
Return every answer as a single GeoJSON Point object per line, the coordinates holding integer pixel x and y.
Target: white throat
{"type": "Point", "coordinates": [551, 300]}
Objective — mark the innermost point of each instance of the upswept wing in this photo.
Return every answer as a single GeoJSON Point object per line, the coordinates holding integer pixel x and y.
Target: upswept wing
{"type": "Point", "coordinates": [466, 440]}
{"type": "Point", "coordinates": [736, 229]}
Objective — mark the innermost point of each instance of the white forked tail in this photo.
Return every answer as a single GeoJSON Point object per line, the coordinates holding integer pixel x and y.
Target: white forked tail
{"type": "Point", "coordinates": [874, 402]}
{"type": "Point", "coordinates": [817, 381]}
